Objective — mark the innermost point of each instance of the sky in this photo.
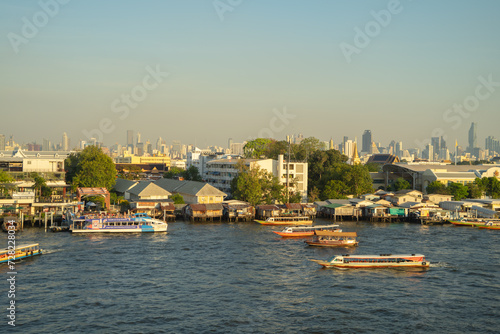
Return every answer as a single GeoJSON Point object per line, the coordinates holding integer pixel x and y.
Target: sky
{"type": "Point", "coordinates": [208, 70]}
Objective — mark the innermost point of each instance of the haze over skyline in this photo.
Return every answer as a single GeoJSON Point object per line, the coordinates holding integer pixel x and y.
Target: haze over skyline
{"type": "Point", "coordinates": [202, 72]}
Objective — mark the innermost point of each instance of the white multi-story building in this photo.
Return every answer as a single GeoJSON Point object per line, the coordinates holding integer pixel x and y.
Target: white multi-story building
{"type": "Point", "coordinates": [220, 173]}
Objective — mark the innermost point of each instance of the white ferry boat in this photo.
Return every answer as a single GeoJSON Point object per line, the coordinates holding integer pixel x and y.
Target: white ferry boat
{"type": "Point", "coordinates": [375, 261]}
{"type": "Point", "coordinates": [137, 223]}
{"type": "Point", "coordinates": [305, 231]}
{"type": "Point", "coordinates": [290, 220]}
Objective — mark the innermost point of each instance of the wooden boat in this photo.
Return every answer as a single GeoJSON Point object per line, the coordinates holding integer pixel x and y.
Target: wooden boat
{"type": "Point", "coordinates": [19, 252]}
{"type": "Point", "coordinates": [376, 261]}
{"type": "Point", "coordinates": [305, 231]}
{"type": "Point", "coordinates": [290, 220]}
{"type": "Point", "coordinates": [491, 225]}
{"type": "Point", "coordinates": [136, 224]}
{"type": "Point", "coordinates": [334, 239]}
{"type": "Point", "coordinates": [469, 222]}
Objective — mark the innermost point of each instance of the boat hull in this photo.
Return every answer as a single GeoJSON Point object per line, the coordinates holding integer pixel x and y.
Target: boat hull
{"type": "Point", "coordinates": [331, 244]}
{"type": "Point", "coordinates": [294, 234]}
{"type": "Point", "coordinates": [489, 227]}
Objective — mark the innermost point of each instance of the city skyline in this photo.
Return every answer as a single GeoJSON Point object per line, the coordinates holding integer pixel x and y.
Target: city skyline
{"type": "Point", "coordinates": [408, 71]}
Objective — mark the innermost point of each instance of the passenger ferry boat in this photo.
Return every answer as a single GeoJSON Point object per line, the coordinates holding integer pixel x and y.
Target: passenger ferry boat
{"type": "Point", "coordinates": [291, 220]}
{"type": "Point", "coordinates": [305, 231]}
{"type": "Point", "coordinates": [375, 261]}
{"type": "Point", "coordinates": [139, 222]}
{"type": "Point", "coordinates": [21, 252]}
{"type": "Point", "coordinates": [334, 239]}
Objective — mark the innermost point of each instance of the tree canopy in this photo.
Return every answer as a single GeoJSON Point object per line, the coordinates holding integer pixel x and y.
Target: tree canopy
{"type": "Point", "coordinates": [401, 184]}
{"type": "Point", "coordinates": [257, 186]}
{"type": "Point", "coordinates": [331, 177]}
{"type": "Point", "coordinates": [90, 168]}
{"type": "Point", "coordinates": [177, 198]}
{"type": "Point", "coordinates": [191, 173]}
{"type": "Point", "coordinates": [437, 187]}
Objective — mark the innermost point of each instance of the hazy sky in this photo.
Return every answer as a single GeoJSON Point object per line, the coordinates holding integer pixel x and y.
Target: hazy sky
{"type": "Point", "coordinates": [204, 71]}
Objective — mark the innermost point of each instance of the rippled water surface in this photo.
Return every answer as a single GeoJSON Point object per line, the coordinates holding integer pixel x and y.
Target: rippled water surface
{"type": "Point", "coordinates": [242, 278]}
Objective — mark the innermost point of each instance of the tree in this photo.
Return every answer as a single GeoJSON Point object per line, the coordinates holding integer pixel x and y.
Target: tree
{"type": "Point", "coordinates": [177, 198]}
{"type": "Point", "coordinates": [401, 184]}
{"type": "Point", "coordinates": [334, 189]}
{"type": "Point", "coordinates": [173, 172]}
{"type": "Point", "coordinates": [40, 186]}
{"type": "Point", "coordinates": [192, 173]}
{"type": "Point", "coordinates": [491, 186]}
{"type": "Point", "coordinates": [314, 194]}
{"type": "Point", "coordinates": [358, 180]}
{"type": "Point", "coordinates": [5, 186]}
{"type": "Point", "coordinates": [436, 187]}
{"type": "Point", "coordinates": [256, 148]}
{"type": "Point", "coordinates": [256, 186]}
{"type": "Point", "coordinates": [5, 178]}
{"type": "Point", "coordinates": [458, 190]}
{"type": "Point", "coordinates": [475, 190]}
{"type": "Point", "coordinates": [90, 168]}
{"type": "Point", "coordinates": [373, 167]}
{"type": "Point", "coordinates": [306, 147]}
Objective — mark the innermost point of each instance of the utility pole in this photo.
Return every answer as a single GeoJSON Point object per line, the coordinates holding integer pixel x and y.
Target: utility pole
{"type": "Point", "coordinates": [287, 168]}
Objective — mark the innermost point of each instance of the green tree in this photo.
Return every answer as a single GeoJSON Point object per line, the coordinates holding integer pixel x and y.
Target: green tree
{"type": "Point", "coordinates": [401, 184]}
{"type": "Point", "coordinates": [491, 186]}
{"type": "Point", "coordinates": [256, 186]}
{"type": "Point", "coordinates": [357, 179]}
{"type": "Point", "coordinates": [314, 194]}
{"type": "Point", "coordinates": [306, 147]}
{"type": "Point", "coordinates": [373, 167]}
{"type": "Point", "coordinates": [5, 183]}
{"type": "Point", "coordinates": [436, 187]}
{"type": "Point", "coordinates": [192, 173]}
{"type": "Point", "coordinates": [177, 198]}
{"type": "Point", "coordinates": [5, 178]}
{"type": "Point", "coordinates": [256, 148]}
{"type": "Point", "coordinates": [174, 172]}
{"type": "Point", "coordinates": [275, 148]}
{"type": "Point", "coordinates": [90, 168]}
{"type": "Point", "coordinates": [475, 190]}
{"type": "Point", "coordinates": [334, 189]}
{"type": "Point", "coordinates": [458, 190]}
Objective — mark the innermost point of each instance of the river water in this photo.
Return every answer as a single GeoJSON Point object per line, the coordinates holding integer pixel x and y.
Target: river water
{"type": "Point", "coordinates": [242, 278]}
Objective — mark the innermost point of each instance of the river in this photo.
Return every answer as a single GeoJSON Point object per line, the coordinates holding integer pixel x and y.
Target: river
{"type": "Point", "coordinates": [242, 278]}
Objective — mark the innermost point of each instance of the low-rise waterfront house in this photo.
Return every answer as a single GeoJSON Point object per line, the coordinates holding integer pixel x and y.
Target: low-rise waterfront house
{"type": "Point", "coordinates": [193, 192]}
{"type": "Point", "coordinates": [438, 198]}
{"type": "Point", "coordinates": [234, 210]}
{"type": "Point", "coordinates": [267, 210]}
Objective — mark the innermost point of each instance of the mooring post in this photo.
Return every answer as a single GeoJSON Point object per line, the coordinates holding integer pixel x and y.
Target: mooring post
{"type": "Point", "coordinates": [45, 218]}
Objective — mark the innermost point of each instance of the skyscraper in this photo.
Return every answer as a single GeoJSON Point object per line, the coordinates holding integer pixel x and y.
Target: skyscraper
{"type": "Point", "coordinates": [130, 138]}
{"type": "Point", "coordinates": [2, 142]}
{"type": "Point", "coordinates": [229, 143]}
{"type": "Point", "coordinates": [65, 142]}
{"type": "Point", "coordinates": [367, 142]}
{"type": "Point", "coordinates": [472, 137]}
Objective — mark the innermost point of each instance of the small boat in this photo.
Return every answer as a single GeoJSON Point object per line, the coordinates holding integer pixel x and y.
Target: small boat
{"type": "Point", "coordinates": [138, 223]}
{"type": "Point", "coordinates": [305, 231]}
{"type": "Point", "coordinates": [491, 225]}
{"type": "Point", "coordinates": [469, 222]}
{"type": "Point", "coordinates": [19, 252]}
{"type": "Point", "coordinates": [334, 239]}
{"type": "Point", "coordinates": [375, 261]}
{"type": "Point", "coordinates": [290, 220]}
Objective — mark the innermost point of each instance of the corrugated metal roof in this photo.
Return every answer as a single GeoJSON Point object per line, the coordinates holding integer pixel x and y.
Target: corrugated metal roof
{"type": "Point", "coordinates": [146, 189]}
{"type": "Point", "coordinates": [334, 205]}
{"type": "Point", "coordinates": [214, 206]}
{"type": "Point", "coordinates": [193, 188]}
{"type": "Point", "coordinates": [293, 206]}
{"type": "Point", "coordinates": [198, 207]}
{"type": "Point", "coordinates": [123, 185]}
{"type": "Point", "coordinates": [267, 207]}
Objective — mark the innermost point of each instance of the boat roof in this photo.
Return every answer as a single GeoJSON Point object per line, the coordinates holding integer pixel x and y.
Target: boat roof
{"type": "Point", "coordinates": [336, 234]}
{"type": "Point", "coordinates": [304, 227]}
{"type": "Point", "coordinates": [381, 256]}
{"type": "Point", "coordinates": [20, 246]}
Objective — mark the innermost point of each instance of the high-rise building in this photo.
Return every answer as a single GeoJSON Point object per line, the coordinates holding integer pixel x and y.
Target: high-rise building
{"type": "Point", "coordinates": [367, 142]}
{"type": "Point", "coordinates": [472, 137]}
{"type": "Point", "coordinates": [46, 145]}
{"type": "Point", "coordinates": [139, 138]}
{"type": "Point", "coordinates": [65, 142]}
{"type": "Point", "coordinates": [491, 143]}
{"type": "Point", "coordinates": [2, 142]}
{"type": "Point", "coordinates": [229, 143]}
{"type": "Point", "coordinates": [130, 138]}
{"type": "Point", "coordinates": [436, 143]}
